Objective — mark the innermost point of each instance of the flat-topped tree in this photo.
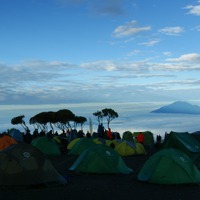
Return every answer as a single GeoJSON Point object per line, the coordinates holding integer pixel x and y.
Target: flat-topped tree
{"type": "Point", "coordinates": [99, 116]}
{"type": "Point", "coordinates": [109, 114]}
{"type": "Point", "coordinates": [42, 119]}
{"type": "Point", "coordinates": [62, 119]}
{"type": "Point", "coordinates": [79, 120]}
{"type": "Point", "coordinates": [19, 120]}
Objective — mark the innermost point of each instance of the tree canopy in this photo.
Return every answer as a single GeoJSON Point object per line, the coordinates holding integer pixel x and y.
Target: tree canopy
{"type": "Point", "coordinates": [19, 120]}
{"type": "Point", "coordinates": [107, 113]}
{"type": "Point", "coordinates": [99, 116]}
{"type": "Point", "coordinates": [63, 119]}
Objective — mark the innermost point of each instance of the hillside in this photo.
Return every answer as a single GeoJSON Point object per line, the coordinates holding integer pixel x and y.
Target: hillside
{"type": "Point", "coordinates": [179, 107]}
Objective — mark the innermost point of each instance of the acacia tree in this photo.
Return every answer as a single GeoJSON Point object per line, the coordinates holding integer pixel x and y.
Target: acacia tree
{"type": "Point", "coordinates": [99, 116]}
{"type": "Point", "coordinates": [62, 119]}
{"type": "Point", "coordinates": [19, 120]}
{"type": "Point", "coordinates": [109, 114]}
{"type": "Point", "coordinates": [79, 120]}
{"type": "Point", "coordinates": [51, 119]}
{"type": "Point", "coordinates": [40, 120]}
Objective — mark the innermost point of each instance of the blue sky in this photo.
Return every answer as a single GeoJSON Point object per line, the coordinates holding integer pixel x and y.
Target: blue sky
{"type": "Point", "coordinates": [81, 51]}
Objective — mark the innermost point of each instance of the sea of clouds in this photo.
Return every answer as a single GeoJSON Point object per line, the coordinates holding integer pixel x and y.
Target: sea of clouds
{"type": "Point", "coordinates": [132, 117]}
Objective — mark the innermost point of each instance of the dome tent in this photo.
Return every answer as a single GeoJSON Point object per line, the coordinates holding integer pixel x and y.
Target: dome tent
{"type": "Point", "coordinates": [126, 148]}
{"type": "Point", "coordinates": [169, 166]}
{"type": "Point", "coordinates": [100, 159]}
{"type": "Point", "coordinates": [140, 148]}
{"type": "Point", "coordinates": [128, 136]}
{"type": "Point", "coordinates": [24, 165]}
{"type": "Point", "coordinates": [6, 141]}
{"type": "Point", "coordinates": [46, 145]}
{"type": "Point", "coordinates": [72, 143]}
{"type": "Point", "coordinates": [17, 135]}
{"type": "Point", "coordinates": [184, 142]}
{"type": "Point", "coordinates": [81, 145]}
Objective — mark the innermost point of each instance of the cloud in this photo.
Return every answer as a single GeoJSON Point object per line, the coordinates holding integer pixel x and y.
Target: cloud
{"type": "Point", "coordinates": [193, 9]}
{"type": "Point", "coordinates": [192, 57]}
{"type": "Point", "coordinates": [173, 31]}
{"type": "Point", "coordinates": [150, 43]}
{"type": "Point", "coordinates": [42, 82]}
{"type": "Point", "coordinates": [108, 7]}
{"type": "Point", "coordinates": [100, 65]}
{"type": "Point", "coordinates": [133, 53]}
{"type": "Point", "coordinates": [103, 7]}
{"type": "Point", "coordinates": [129, 29]}
{"type": "Point", "coordinates": [176, 66]}
{"type": "Point", "coordinates": [167, 53]}
{"type": "Point", "coordinates": [120, 66]}
{"type": "Point", "coordinates": [34, 71]}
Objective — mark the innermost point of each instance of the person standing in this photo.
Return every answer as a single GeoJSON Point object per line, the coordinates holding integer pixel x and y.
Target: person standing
{"type": "Point", "coordinates": [109, 134]}
{"type": "Point", "coordinates": [100, 130]}
{"type": "Point", "coordinates": [140, 138]}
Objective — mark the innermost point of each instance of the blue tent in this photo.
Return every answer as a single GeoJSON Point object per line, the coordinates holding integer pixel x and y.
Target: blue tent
{"type": "Point", "coordinates": [17, 135]}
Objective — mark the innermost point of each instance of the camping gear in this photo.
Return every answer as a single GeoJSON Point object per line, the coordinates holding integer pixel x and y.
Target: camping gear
{"type": "Point", "coordinates": [100, 159]}
{"type": "Point", "coordinates": [46, 145]}
{"type": "Point", "coordinates": [6, 141]}
{"type": "Point", "coordinates": [196, 135]}
{"type": "Point", "coordinates": [169, 166]}
{"type": "Point", "coordinates": [140, 148]}
{"type": "Point", "coordinates": [128, 136]}
{"type": "Point", "coordinates": [81, 145]}
{"type": "Point", "coordinates": [116, 142]}
{"type": "Point", "coordinates": [126, 148]}
{"type": "Point", "coordinates": [17, 135]}
{"type": "Point", "coordinates": [184, 142]}
{"type": "Point", "coordinates": [99, 140]}
{"type": "Point", "coordinates": [24, 165]}
{"type": "Point", "coordinates": [72, 143]}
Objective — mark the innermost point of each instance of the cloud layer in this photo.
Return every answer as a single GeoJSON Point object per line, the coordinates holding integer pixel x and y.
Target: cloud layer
{"type": "Point", "coordinates": [59, 82]}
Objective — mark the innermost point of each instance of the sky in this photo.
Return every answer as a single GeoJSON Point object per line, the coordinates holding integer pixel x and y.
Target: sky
{"type": "Point", "coordinates": [90, 51]}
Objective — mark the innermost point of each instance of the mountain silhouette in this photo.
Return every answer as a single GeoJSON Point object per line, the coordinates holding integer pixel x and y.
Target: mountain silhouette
{"type": "Point", "coordinates": [179, 107]}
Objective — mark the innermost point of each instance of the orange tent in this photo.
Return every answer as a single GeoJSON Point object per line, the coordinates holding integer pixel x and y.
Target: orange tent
{"type": "Point", "coordinates": [6, 141]}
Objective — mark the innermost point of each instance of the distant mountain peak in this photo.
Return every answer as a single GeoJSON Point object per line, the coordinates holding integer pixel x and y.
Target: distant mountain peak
{"type": "Point", "coordinates": [179, 107]}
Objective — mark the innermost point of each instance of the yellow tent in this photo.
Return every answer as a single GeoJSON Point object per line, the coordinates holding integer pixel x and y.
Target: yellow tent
{"type": "Point", "coordinates": [140, 149]}
{"type": "Point", "coordinates": [72, 143]}
{"type": "Point", "coordinates": [126, 148]}
{"type": "Point", "coordinates": [116, 141]}
{"type": "Point", "coordinates": [99, 141]}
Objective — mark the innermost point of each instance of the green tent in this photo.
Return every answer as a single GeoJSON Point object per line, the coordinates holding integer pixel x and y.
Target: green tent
{"type": "Point", "coordinates": [184, 142]}
{"type": "Point", "coordinates": [46, 145]}
{"type": "Point", "coordinates": [169, 166]}
{"type": "Point", "coordinates": [24, 165]}
{"type": "Point", "coordinates": [81, 145]}
{"type": "Point", "coordinates": [196, 135]}
{"type": "Point", "coordinates": [128, 136]}
{"type": "Point", "coordinates": [100, 159]}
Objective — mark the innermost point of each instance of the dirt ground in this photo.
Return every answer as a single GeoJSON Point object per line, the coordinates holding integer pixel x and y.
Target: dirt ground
{"type": "Point", "coordinates": [103, 186]}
